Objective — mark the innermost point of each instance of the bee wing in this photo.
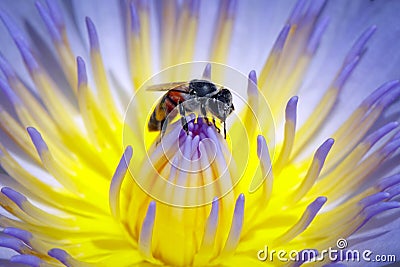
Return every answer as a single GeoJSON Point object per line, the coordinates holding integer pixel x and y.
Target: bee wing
{"type": "Point", "coordinates": [167, 86]}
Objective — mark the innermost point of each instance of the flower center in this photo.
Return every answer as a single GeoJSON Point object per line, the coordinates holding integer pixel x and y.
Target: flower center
{"type": "Point", "coordinates": [188, 168]}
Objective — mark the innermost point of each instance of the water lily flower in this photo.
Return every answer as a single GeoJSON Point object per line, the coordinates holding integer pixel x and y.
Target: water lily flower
{"type": "Point", "coordinates": [309, 156]}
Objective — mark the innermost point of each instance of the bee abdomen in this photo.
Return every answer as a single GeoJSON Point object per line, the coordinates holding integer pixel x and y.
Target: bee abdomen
{"type": "Point", "coordinates": [154, 124]}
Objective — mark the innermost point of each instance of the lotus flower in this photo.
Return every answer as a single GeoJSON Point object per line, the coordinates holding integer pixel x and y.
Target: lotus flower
{"type": "Point", "coordinates": [310, 150]}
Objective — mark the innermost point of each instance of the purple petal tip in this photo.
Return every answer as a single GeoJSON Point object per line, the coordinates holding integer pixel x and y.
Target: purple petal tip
{"type": "Point", "coordinates": [14, 196]}
{"type": "Point", "coordinates": [390, 97]}
{"type": "Point", "coordinates": [319, 201]}
{"type": "Point", "coordinates": [345, 72]}
{"type": "Point", "coordinates": [281, 40]}
{"type": "Point", "coordinates": [194, 7]}
{"type": "Point", "coordinates": [374, 199]}
{"type": "Point", "coordinates": [9, 92]}
{"type": "Point", "coordinates": [253, 76]}
{"type": "Point", "coordinates": [316, 36]}
{"type": "Point", "coordinates": [30, 260]}
{"type": "Point", "coordinates": [261, 143]}
{"type": "Point", "coordinates": [27, 56]}
{"type": "Point", "coordinates": [391, 148]}
{"type": "Point", "coordinates": [207, 72]}
{"type": "Point", "coordinates": [93, 37]}
{"type": "Point", "coordinates": [60, 255]}
{"type": "Point", "coordinates": [359, 45]}
{"type": "Point", "coordinates": [314, 207]}
{"type": "Point", "coordinates": [128, 152]}
{"type": "Point", "coordinates": [291, 108]}
{"type": "Point", "coordinates": [297, 11]}
{"type": "Point", "coordinates": [152, 207]}
{"type": "Point", "coordinates": [135, 22]}
{"type": "Point", "coordinates": [6, 68]}
{"type": "Point", "coordinates": [389, 181]}
{"type": "Point", "coordinates": [374, 210]}
{"type": "Point", "coordinates": [377, 135]}
{"type": "Point", "coordinates": [37, 140]}
{"type": "Point", "coordinates": [81, 66]}
{"type": "Point", "coordinates": [48, 21]}
{"type": "Point", "coordinates": [232, 7]}
{"type": "Point", "coordinates": [11, 243]}
{"type": "Point", "coordinates": [23, 235]}
{"type": "Point", "coordinates": [379, 92]}
{"type": "Point", "coordinates": [55, 13]}
{"type": "Point", "coordinates": [324, 149]}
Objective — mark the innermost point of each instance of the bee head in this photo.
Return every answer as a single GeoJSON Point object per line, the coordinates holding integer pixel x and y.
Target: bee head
{"type": "Point", "coordinates": [222, 105]}
{"type": "Point", "coordinates": [201, 88]}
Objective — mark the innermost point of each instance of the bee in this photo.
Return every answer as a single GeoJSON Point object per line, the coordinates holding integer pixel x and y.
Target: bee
{"type": "Point", "coordinates": [195, 95]}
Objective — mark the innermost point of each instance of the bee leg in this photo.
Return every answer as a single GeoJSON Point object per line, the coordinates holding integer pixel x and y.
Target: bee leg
{"type": "Point", "coordinates": [164, 129]}
{"type": "Point", "coordinates": [183, 118]}
{"type": "Point", "coordinates": [215, 125]}
{"type": "Point", "coordinates": [204, 113]}
{"type": "Point", "coordinates": [224, 130]}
